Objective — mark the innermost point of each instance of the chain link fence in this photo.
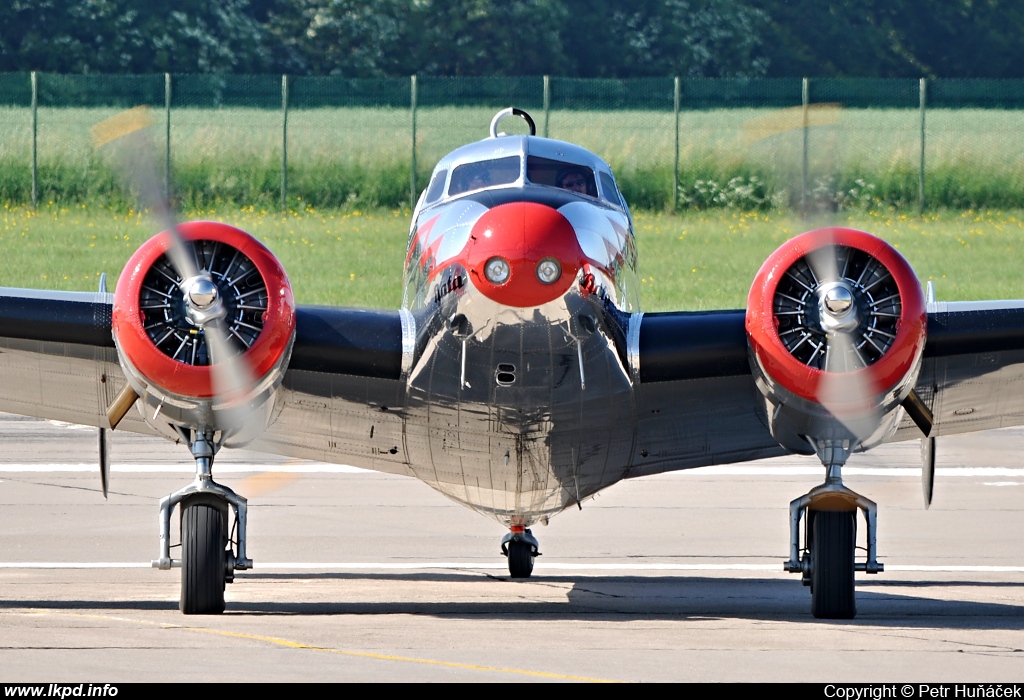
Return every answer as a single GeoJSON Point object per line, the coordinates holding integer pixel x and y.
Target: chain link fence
{"type": "Point", "coordinates": [282, 141]}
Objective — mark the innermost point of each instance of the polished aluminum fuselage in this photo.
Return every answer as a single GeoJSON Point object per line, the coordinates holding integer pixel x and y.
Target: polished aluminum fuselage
{"type": "Point", "coordinates": [526, 410]}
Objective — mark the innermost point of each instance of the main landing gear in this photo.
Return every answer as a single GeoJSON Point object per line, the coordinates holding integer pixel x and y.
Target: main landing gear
{"type": "Point", "coordinates": [826, 562]}
{"type": "Point", "coordinates": [209, 557]}
{"type": "Point", "coordinates": [520, 546]}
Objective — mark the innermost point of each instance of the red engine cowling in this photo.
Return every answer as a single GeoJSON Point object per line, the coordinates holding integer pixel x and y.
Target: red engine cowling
{"type": "Point", "coordinates": [164, 354]}
{"type": "Point", "coordinates": [836, 329]}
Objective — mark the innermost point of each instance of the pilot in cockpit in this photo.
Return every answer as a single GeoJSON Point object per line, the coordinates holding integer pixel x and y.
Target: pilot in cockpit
{"type": "Point", "coordinates": [573, 179]}
{"type": "Point", "coordinates": [474, 176]}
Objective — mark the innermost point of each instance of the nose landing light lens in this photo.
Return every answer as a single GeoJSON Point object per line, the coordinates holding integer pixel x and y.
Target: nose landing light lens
{"type": "Point", "coordinates": [549, 270]}
{"type": "Point", "coordinates": [497, 271]}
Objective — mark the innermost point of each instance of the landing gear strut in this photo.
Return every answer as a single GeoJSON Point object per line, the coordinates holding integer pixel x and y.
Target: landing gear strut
{"type": "Point", "coordinates": [521, 547]}
{"type": "Point", "coordinates": [208, 558]}
{"type": "Point", "coordinates": [826, 561]}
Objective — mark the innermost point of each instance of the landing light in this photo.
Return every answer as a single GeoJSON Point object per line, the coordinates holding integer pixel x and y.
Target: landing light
{"type": "Point", "coordinates": [497, 270]}
{"type": "Point", "coordinates": [549, 270]}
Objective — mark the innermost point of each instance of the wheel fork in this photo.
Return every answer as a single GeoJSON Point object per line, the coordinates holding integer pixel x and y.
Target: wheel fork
{"type": "Point", "coordinates": [519, 533]}
{"type": "Point", "coordinates": [203, 451]}
{"type": "Point", "coordinates": [831, 495]}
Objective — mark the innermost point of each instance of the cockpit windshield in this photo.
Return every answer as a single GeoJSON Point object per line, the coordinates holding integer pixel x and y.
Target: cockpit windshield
{"type": "Point", "coordinates": [556, 173]}
{"type": "Point", "coordinates": [550, 164]}
{"type": "Point", "coordinates": [485, 173]}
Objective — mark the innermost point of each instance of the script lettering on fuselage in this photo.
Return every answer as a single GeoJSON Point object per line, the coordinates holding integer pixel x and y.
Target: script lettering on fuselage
{"type": "Point", "coordinates": [447, 286]}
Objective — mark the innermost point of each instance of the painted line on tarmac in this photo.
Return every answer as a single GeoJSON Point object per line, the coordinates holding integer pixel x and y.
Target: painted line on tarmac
{"type": "Point", "coordinates": [186, 468]}
{"type": "Point", "coordinates": [323, 468]}
{"type": "Point", "coordinates": [291, 644]}
{"type": "Point", "coordinates": [490, 566]}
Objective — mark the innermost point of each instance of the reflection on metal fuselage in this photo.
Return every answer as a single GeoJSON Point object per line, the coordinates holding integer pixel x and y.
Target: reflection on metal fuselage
{"type": "Point", "coordinates": [519, 411]}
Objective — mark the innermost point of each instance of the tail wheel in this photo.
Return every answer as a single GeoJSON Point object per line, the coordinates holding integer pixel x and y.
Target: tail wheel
{"type": "Point", "coordinates": [203, 557]}
{"type": "Point", "coordinates": [520, 559]}
{"type": "Point", "coordinates": [834, 538]}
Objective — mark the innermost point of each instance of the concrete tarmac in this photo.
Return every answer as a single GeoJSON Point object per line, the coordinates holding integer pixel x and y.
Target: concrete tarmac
{"type": "Point", "coordinates": [368, 577]}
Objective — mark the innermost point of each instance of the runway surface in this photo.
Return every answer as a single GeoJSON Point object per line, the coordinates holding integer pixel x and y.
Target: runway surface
{"type": "Point", "coordinates": [368, 577]}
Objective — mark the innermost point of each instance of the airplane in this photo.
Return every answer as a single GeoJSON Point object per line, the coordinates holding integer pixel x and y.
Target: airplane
{"type": "Point", "coordinates": [520, 376]}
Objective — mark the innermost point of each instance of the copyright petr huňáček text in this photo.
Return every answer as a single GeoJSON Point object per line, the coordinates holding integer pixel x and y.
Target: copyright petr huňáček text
{"type": "Point", "coordinates": [923, 690]}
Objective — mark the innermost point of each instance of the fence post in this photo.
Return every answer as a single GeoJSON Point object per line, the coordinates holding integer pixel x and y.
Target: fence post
{"type": "Point", "coordinates": [35, 125]}
{"type": "Point", "coordinates": [167, 126]}
{"type": "Point", "coordinates": [412, 170]}
{"type": "Point", "coordinates": [547, 103]}
{"type": "Point", "coordinates": [923, 89]}
{"type": "Point", "coordinates": [284, 142]}
{"type": "Point", "coordinates": [675, 168]}
{"type": "Point", "coordinates": [805, 94]}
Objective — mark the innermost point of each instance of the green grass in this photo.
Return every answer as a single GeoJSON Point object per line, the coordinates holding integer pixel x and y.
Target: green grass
{"type": "Point", "coordinates": [702, 260]}
{"type": "Point", "coordinates": [362, 156]}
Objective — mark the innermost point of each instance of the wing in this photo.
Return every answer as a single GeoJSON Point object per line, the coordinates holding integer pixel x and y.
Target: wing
{"type": "Point", "coordinates": [973, 368]}
{"type": "Point", "coordinates": [697, 404]}
{"type": "Point", "coordinates": [696, 400]}
{"type": "Point", "coordinates": [343, 397]}
{"type": "Point", "coordinates": [341, 400]}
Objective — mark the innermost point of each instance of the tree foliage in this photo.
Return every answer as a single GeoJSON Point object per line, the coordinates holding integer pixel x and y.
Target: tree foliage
{"type": "Point", "coordinates": [894, 38]}
{"type": "Point", "coordinates": [129, 36]}
{"type": "Point", "coordinates": [587, 38]}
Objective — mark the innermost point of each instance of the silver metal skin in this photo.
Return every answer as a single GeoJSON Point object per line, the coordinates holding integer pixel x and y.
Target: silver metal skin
{"type": "Point", "coordinates": [494, 398]}
{"type": "Point", "coordinates": [166, 411]}
{"type": "Point", "coordinates": [203, 450]}
{"type": "Point", "coordinates": [633, 345]}
{"type": "Point", "coordinates": [408, 340]}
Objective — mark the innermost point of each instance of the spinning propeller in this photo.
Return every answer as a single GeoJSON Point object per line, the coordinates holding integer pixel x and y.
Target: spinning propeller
{"type": "Point", "coordinates": [849, 338]}
{"type": "Point", "coordinates": [839, 310]}
{"type": "Point", "coordinates": [126, 137]}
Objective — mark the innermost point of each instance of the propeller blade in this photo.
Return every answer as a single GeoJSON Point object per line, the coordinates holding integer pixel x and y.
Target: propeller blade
{"type": "Point", "coordinates": [127, 136]}
{"type": "Point", "coordinates": [823, 264]}
{"type": "Point", "coordinates": [232, 379]}
{"type": "Point", "coordinates": [927, 443]}
{"type": "Point", "coordinates": [845, 392]}
{"type": "Point", "coordinates": [927, 469]}
{"type": "Point", "coordinates": [104, 460]}
{"type": "Point", "coordinates": [922, 416]}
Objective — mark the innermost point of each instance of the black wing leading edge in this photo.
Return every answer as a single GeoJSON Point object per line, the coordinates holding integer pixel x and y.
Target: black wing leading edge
{"type": "Point", "coordinates": [697, 404]}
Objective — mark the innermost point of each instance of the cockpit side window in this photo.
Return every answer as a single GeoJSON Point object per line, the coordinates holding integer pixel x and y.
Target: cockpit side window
{"type": "Point", "coordinates": [557, 173]}
{"type": "Point", "coordinates": [436, 187]}
{"type": "Point", "coordinates": [609, 191]}
{"type": "Point", "coordinates": [475, 176]}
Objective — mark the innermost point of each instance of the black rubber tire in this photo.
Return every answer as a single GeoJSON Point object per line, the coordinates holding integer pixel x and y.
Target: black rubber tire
{"type": "Point", "coordinates": [520, 559]}
{"type": "Point", "coordinates": [203, 558]}
{"type": "Point", "coordinates": [832, 557]}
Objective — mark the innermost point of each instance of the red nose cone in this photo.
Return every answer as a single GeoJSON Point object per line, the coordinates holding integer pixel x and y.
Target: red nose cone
{"type": "Point", "coordinates": [523, 234]}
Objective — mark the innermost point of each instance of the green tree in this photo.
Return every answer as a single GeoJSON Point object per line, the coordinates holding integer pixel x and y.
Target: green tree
{"type": "Point", "coordinates": [714, 38]}
{"type": "Point", "coordinates": [894, 38]}
{"type": "Point", "coordinates": [130, 36]}
{"type": "Point", "coordinates": [399, 37]}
